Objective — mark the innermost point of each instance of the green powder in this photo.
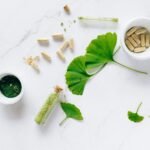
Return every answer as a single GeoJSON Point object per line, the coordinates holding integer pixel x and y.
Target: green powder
{"type": "Point", "coordinates": [10, 86]}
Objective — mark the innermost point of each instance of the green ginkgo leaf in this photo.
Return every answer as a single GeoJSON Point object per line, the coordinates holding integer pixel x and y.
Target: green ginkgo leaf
{"type": "Point", "coordinates": [99, 52]}
{"type": "Point", "coordinates": [76, 75]}
{"type": "Point", "coordinates": [134, 116]}
{"type": "Point", "coordinates": [71, 111]}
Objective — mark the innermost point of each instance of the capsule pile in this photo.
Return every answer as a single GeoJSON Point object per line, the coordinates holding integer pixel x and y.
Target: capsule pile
{"type": "Point", "coordinates": [137, 39]}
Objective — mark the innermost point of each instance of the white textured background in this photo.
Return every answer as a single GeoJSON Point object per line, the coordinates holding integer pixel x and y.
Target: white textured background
{"type": "Point", "coordinates": [107, 97]}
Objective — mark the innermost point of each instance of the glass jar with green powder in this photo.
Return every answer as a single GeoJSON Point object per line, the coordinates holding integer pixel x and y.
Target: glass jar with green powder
{"type": "Point", "coordinates": [11, 90]}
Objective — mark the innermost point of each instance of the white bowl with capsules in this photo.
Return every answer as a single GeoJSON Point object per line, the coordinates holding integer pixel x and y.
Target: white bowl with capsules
{"type": "Point", "coordinates": [139, 22]}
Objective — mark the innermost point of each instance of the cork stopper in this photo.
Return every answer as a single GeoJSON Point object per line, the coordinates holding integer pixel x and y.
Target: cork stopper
{"type": "Point", "coordinates": [58, 89]}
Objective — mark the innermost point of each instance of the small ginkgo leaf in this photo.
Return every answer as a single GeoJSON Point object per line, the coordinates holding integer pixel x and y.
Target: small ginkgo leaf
{"type": "Point", "coordinates": [76, 75]}
{"type": "Point", "coordinates": [71, 111]}
{"type": "Point", "coordinates": [135, 117]}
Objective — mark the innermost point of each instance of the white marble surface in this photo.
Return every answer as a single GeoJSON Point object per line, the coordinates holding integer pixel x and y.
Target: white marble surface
{"type": "Point", "coordinates": [107, 97]}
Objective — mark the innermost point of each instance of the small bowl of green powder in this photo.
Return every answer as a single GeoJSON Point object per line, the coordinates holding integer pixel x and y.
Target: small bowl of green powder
{"type": "Point", "coordinates": [11, 90]}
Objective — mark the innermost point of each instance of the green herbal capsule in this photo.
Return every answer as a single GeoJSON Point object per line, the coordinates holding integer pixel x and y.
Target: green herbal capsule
{"type": "Point", "coordinates": [48, 106]}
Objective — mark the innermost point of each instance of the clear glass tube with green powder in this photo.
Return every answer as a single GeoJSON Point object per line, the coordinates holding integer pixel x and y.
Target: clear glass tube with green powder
{"type": "Point", "coordinates": [48, 106]}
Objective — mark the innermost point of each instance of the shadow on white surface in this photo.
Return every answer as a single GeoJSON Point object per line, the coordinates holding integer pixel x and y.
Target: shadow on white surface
{"type": "Point", "coordinates": [15, 111]}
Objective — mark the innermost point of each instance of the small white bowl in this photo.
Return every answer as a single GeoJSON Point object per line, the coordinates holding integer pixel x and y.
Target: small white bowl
{"type": "Point", "coordinates": [6, 100]}
{"type": "Point", "coordinates": [139, 21]}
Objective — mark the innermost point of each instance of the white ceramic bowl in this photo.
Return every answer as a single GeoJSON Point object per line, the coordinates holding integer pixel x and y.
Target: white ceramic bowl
{"type": "Point", "coordinates": [6, 100]}
{"type": "Point", "coordinates": [139, 21]}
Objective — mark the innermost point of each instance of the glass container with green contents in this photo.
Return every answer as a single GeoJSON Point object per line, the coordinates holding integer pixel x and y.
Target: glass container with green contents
{"type": "Point", "coordinates": [11, 89]}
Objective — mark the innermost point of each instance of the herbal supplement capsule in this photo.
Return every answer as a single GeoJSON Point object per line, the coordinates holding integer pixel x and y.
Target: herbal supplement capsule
{"type": "Point", "coordinates": [43, 41]}
{"type": "Point", "coordinates": [142, 40]}
{"type": "Point", "coordinates": [61, 56]}
{"type": "Point", "coordinates": [35, 66]}
{"type": "Point", "coordinates": [58, 37]}
{"type": "Point", "coordinates": [131, 31]}
{"type": "Point", "coordinates": [147, 43]}
{"type": "Point", "coordinates": [71, 43]}
{"type": "Point", "coordinates": [64, 46]}
{"type": "Point", "coordinates": [46, 56]}
{"type": "Point", "coordinates": [132, 42]}
{"type": "Point", "coordinates": [136, 39]}
{"type": "Point", "coordinates": [129, 45]}
{"type": "Point", "coordinates": [141, 31]}
{"type": "Point", "coordinates": [139, 49]}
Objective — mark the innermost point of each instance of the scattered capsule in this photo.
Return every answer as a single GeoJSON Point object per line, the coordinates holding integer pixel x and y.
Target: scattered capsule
{"type": "Point", "coordinates": [132, 42]}
{"type": "Point", "coordinates": [136, 39]}
{"type": "Point", "coordinates": [131, 31]}
{"type": "Point", "coordinates": [139, 49]}
{"type": "Point", "coordinates": [46, 56]}
{"type": "Point", "coordinates": [129, 45]}
{"type": "Point", "coordinates": [64, 46]}
{"type": "Point", "coordinates": [147, 43]}
{"type": "Point", "coordinates": [58, 37]}
{"type": "Point", "coordinates": [71, 43]}
{"type": "Point", "coordinates": [140, 31]}
{"type": "Point", "coordinates": [61, 56]}
{"type": "Point", "coordinates": [35, 66]}
{"type": "Point", "coordinates": [142, 40]}
{"type": "Point", "coordinates": [43, 41]}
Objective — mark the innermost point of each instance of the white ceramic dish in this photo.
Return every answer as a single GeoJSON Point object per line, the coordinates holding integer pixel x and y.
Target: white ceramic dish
{"type": "Point", "coordinates": [6, 100]}
{"type": "Point", "coordinates": [139, 21]}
